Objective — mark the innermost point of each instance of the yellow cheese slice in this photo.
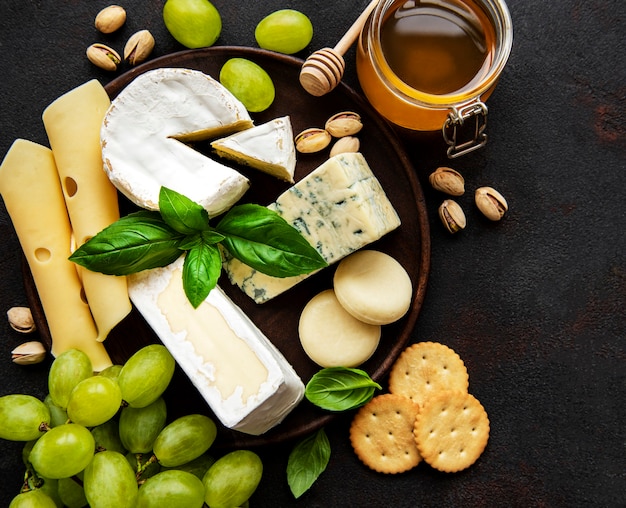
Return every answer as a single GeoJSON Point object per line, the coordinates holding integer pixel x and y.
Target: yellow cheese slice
{"type": "Point", "coordinates": [29, 184]}
{"type": "Point", "coordinates": [73, 124]}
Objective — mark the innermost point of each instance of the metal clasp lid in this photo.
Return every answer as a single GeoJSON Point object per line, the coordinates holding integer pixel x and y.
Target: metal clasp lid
{"type": "Point", "coordinates": [456, 120]}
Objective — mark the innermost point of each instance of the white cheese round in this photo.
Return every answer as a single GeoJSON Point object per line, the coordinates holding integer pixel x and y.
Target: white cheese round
{"type": "Point", "coordinates": [144, 133]}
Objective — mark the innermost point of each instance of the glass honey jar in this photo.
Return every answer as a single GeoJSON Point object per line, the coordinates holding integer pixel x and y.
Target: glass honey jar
{"type": "Point", "coordinates": [427, 65]}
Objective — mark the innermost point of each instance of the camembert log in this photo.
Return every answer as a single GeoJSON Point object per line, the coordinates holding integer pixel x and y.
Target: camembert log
{"type": "Point", "coordinates": [144, 133]}
{"type": "Point", "coordinates": [268, 147]}
{"type": "Point", "coordinates": [30, 187]}
{"type": "Point", "coordinates": [246, 381]}
{"type": "Point", "coordinates": [339, 208]}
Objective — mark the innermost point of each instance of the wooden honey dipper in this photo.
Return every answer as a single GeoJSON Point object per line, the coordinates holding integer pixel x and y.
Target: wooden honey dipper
{"type": "Point", "coordinates": [323, 70]}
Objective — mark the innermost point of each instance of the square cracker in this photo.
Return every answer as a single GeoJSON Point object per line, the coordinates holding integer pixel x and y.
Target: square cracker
{"type": "Point", "coordinates": [381, 434]}
{"type": "Point", "coordinates": [451, 431]}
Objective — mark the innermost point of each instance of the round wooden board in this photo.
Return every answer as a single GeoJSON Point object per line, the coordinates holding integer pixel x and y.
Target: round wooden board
{"type": "Point", "coordinates": [278, 318]}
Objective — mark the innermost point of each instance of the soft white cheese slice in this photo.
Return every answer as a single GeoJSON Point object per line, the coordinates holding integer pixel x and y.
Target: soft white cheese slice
{"type": "Point", "coordinates": [246, 381]}
{"type": "Point", "coordinates": [145, 128]}
{"type": "Point", "coordinates": [268, 147]}
{"type": "Point", "coordinates": [339, 208]}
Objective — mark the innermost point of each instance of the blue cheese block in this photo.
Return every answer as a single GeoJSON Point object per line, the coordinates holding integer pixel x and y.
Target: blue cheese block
{"type": "Point", "coordinates": [246, 381]}
{"type": "Point", "coordinates": [339, 208]}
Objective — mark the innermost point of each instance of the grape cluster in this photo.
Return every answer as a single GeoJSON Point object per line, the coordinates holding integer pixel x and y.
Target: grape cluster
{"type": "Point", "coordinates": [104, 440]}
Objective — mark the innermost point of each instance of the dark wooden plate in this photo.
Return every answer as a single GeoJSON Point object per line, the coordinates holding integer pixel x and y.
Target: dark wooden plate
{"type": "Point", "coordinates": [278, 318]}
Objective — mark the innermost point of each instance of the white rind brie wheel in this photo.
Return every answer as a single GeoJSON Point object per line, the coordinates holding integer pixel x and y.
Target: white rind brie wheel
{"type": "Point", "coordinates": [144, 133]}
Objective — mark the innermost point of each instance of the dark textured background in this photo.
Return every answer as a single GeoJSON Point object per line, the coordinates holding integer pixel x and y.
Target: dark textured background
{"type": "Point", "coordinates": [533, 304]}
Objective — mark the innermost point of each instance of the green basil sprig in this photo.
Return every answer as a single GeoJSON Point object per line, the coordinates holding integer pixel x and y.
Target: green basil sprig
{"type": "Point", "coordinates": [340, 388]}
{"type": "Point", "coordinates": [254, 234]}
{"type": "Point", "coordinates": [307, 461]}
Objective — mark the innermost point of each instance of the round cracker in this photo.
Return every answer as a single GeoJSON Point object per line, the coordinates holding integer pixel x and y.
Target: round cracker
{"type": "Point", "coordinates": [381, 434]}
{"type": "Point", "coordinates": [451, 431]}
{"type": "Point", "coordinates": [426, 368]}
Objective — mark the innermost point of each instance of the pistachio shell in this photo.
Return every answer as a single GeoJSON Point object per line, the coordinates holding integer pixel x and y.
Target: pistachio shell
{"type": "Point", "coordinates": [491, 203]}
{"type": "Point", "coordinates": [312, 140]}
{"type": "Point", "coordinates": [21, 319]}
{"type": "Point", "coordinates": [29, 353]}
{"type": "Point", "coordinates": [110, 19]}
{"type": "Point", "coordinates": [452, 216]}
{"type": "Point", "coordinates": [346, 123]}
{"type": "Point", "coordinates": [346, 144]}
{"type": "Point", "coordinates": [138, 47]}
{"type": "Point", "coordinates": [103, 56]}
{"type": "Point", "coordinates": [447, 180]}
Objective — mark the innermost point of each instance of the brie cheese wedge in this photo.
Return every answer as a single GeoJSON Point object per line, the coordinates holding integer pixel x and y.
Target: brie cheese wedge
{"type": "Point", "coordinates": [268, 147]}
{"type": "Point", "coordinates": [144, 133]}
{"type": "Point", "coordinates": [339, 208]}
{"type": "Point", "coordinates": [243, 377]}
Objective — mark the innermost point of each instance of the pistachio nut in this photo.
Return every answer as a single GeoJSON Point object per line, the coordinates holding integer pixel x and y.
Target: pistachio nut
{"type": "Point", "coordinates": [138, 47]}
{"type": "Point", "coordinates": [491, 203]}
{"type": "Point", "coordinates": [21, 319]}
{"type": "Point", "coordinates": [104, 57]}
{"type": "Point", "coordinates": [29, 353]}
{"type": "Point", "coordinates": [110, 19]}
{"type": "Point", "coordinates": [312, 140]}
{"type": "Point", "coordinates": [447, 180]}
{"type": "Point", "coordinates": [347, 144]}
{"type": "Point", "coordinates": [343, 124]}
{"type": "Point", "coordinates": [452, 216]}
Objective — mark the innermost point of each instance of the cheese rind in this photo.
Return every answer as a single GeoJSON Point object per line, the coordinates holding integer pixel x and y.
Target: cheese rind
{"type": "Point", "coordinates": [268, 147]}
{"type": "Point", "coordinates": [143, 132]}
{"type": "Point", "coordinates": [339, 208]}
{"type": "Point", "coordinates": [29, 184]}
{"type": "Point", "coordinates": [73, 123]}
{"type": "Point", "coordinates": [245, 380]}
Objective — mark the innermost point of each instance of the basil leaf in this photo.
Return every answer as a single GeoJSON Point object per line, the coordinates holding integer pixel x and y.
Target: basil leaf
{"type": "Point", "coordinates": [208, 237]}
{"type": "Point", "coordinates": [201, 269]}
{"type": "Point", "coordinates": [181, 213]}
{"type": "Point", "coordinates": [263, 240]}
{"type": "Point", "coordinates": [340, 388]}
{"type": "Point", "coordinates": [136, 242]}
{"type": "Point", "coordinates": [307, 461]}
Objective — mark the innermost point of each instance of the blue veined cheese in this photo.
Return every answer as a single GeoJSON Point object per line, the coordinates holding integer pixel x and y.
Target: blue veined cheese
{"type": "Point", "coordinates": [246, 381]}
{"type": "Point", "coordinates": [144, 132]}
{"type": "Point", "coordinates": [339, 208]}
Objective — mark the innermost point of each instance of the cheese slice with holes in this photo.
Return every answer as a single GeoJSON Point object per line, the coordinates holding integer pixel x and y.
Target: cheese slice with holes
{"type": "Point", "coordinates": [268, 147]}
{"type": "Point", "coordinates": [145, 133]}
{"type": "Point", "coordinates": [246, 381]}
{"type": "Point", "coordinates": [339, 208]}
{"type": "Point", "coordinates": [30, 188]}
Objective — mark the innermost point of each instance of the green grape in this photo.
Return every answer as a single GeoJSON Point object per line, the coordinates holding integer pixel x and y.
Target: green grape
{"type": "Point", "coordinates": [112, 372]}
{"type": "Point", "coordinates": [107, 437]}
{"type": "Point", "coordinates": [185, 439]}
{"type": "Point", "coordinates": [146, 375]}
{"type": "Point", "coordinates": [21, 417]}
{"type": "Point", "coordinates": [171, 489]}
{"type": "Point", "coordinates": [144, 469]}
{"type": "Point", "coordinates": [198, 466]}
{"type": "Point", "coordinates": [94, 401]}
{"type": "Point", "coordinates": [110, 482]}
{"type": "Point", "coordinates": [249, 83]}
{"type": "Point", "coordinates": [193, 23]}
{"type": "Point", "coordinates": [140, 426]}
{"type": "Point", "coordinates": [58, 416]}
{"type": "Point", "coordinates": [63, 451]}
{"type": "Point", "coordinates": [285, 31]}
{"type": "Point", "coordinates": [232, 479]}
{"type": "Point", "coordinates": [48, 486]}
{"type": "Point", "coordinates": [32, 499]}
{"type": "Point", "coordinates": [28, 446]}
{"type": "Point", "coordinates": [67, 370]}
{"type": "Point", "coordinates": [72, 493]}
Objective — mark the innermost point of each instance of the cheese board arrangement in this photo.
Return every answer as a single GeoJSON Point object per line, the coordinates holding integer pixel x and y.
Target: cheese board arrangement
{"type": "Point", "coordinates": [278, 318]}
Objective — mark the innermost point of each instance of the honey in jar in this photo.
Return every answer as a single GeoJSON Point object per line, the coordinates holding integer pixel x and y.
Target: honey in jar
{"type": "Point", "coordinates": [426, 64]}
